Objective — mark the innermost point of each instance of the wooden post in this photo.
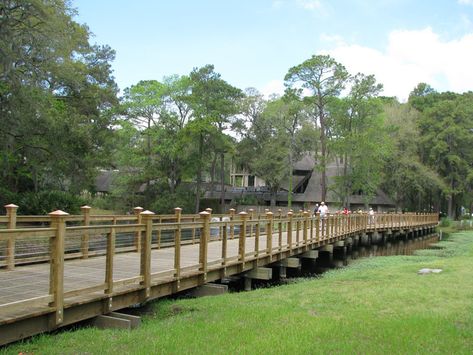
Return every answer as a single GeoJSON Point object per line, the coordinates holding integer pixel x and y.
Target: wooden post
{"type": "Point", "coordinates": [145, 261]}
{"type": "Point", "coordinates": [232, 225]}
{"type": "Point", "coordinates": [56, 274]}
{"type": "Point", "coordinates": [280, 229]}
{"type": "Point", "coordinates": [193, 230]}
{"type": "Point", "coordinates": [269, 235]}
{"type": "Point", "coordinates": [251, 215]}
{"type": "Point", "coordinates": [224, 248]}
{"type": "Point", "coordinates": [11, 224]}
{"type": "Point", "coordinates": [305, 233]}
{"type": "Point", "coordinates": [109, 260]}
{"type": "Point", "coordinates": [137, 211]}
{"type": "Point", "coordinates": [289, 229]}
{"type": "Point", "coordinates": [203, 246]}
{"type": "Point", "coordinates": [241, 242]}
{"type": "Point", "coordinates": [84, 244]}
{"type": "Point", "coordinates": [257, 235]}
{"type": "Point", "coordinates": [177, 246]}
{"type": "Point", "coordinates": [317, 226]}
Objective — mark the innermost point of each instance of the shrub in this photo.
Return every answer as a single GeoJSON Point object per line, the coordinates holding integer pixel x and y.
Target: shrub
{"type": "Point", "coordinates": [43, 202]}
{"type": "Point", "coordinates": [445, 222]}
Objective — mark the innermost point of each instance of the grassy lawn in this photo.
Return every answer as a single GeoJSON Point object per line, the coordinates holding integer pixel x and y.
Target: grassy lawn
{"type": "Point", "coordinates": [377, 305]}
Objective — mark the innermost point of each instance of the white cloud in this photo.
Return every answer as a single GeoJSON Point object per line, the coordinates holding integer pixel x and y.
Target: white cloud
{"type": "Point", "coordinates": [412, 57]}
{"type": "Point", "coordinates": [465, 2]}
{"type": "Point", "coordinates": [310, 4]}
{"type": "Point", "coordinates": [273, 87]}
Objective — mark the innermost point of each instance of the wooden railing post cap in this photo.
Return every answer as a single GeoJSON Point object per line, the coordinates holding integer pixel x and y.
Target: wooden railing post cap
{"type": "Point", "coordinates": [231, 210]}
{"type": "Point", "coordinates": [85, 208]}
{"type": "Point", "coordinates": [147, 213]}
{"type": "Point", "coordinates": [269, 214]}
{"type": "Point", "coordinates": [243, 214]}
{"type": "Point", "coordinates": [251, 210]}
{"type": "Point", "coordinates": [209, 210]}
{"type": "Point", "coordinates": [178, 209]}
{"type": "Point", "coordinates": [204, 214]}
{"type": "Point", "coordinates": [58, 214]}
{"type": "Point", "coordinates": [11, 206]}
{"type": "Point", "coordinates": [290, 214]}
{"type": "Point", "coordinates": [306, 213]}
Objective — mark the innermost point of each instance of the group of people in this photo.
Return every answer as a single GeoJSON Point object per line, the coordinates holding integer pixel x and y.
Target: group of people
{"type": "Point", "coordinates": [323, 211]}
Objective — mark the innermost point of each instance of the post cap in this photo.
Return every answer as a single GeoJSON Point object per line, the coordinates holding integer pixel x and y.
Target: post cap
{"type": "Point", "coordinates": [306, 213]}
{"type": "Point", "coordinates": [208, 209]}
{"type": "Point", "coordinates": [85, 207]}
{"type": "Point", "coordinates": [232, 210]}
{"type": "Point", "coordinates": [11, 205]}
{"type": "Point", "coordinates": [58, 213]}
{"type": "Point", "coordinates": [178, 209]}
{"type": "Point", "coordinates": [204, 214]}
{"type": "Point", "coordinates": [138, 208]}
{"type": "Point", "coordinates": [269, 213]}
{"type": "Point", "coordinates": [290, 213]}
{"type": "Point", "coordinates": [147, 213]}
{"type": "Point", "coordinates": [243, 214]}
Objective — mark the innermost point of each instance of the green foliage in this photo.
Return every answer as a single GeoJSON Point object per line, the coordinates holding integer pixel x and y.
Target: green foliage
{"type": "Point", "coordinates": [360, 302]}
{"type": "Point", "coordinates": [445, 222]}
{"type": "Point", "coordinates": [55, 99]}
{"type": "Point", "coordinates": [248, 200]}
{"type": "Point", "coordinates": [44, 202]}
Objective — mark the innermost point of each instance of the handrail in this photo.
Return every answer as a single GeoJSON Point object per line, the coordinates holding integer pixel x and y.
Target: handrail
{"type": "Point", "coordinates": [60, 240]}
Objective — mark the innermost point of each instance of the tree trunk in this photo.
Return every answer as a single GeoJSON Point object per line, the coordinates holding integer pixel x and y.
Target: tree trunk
{"type": "Point", "coordinates": [273, 197]}
{"type": "Point", "coordinates": [289, 192]}
{"type": "Point", "coordinates": [323, 146]}
{"type": "Point", "coordinates": [199, 174]}
{"type": "Point", "coordinates": [212, 174]}
{"type": "Point", "coordinates": [222, 182]}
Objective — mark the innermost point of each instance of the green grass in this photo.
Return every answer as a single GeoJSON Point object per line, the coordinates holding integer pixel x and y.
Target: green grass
{"type": "Point", "coordinates": [377, 305]}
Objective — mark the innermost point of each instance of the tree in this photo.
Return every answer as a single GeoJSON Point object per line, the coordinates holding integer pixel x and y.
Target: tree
{"type": "Point", "coordinates": [56, 95]}
{"type": "Point", "coordinates": [447, 143]}
{"type": "Point", "coordinates": [214, 102]}
{"type": "Point", "coordinates": [359, 138]}
{"type": "Point", "coordinates": [323, 79]}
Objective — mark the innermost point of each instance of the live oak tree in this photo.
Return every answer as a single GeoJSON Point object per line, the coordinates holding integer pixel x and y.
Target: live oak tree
{"type": "Point", "coordinates": [56, 94]}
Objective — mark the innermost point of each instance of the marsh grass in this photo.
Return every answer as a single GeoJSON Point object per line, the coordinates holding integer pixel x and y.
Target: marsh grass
{"type": "Point", "coordinates": [377, 305]}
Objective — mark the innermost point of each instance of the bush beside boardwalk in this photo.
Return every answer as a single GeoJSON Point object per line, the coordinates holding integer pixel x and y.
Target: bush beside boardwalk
{"type": "Point", "coordinates": [377, 305]}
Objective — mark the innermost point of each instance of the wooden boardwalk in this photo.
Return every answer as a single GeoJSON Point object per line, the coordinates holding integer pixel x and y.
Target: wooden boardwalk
{"type": "Point", "coordinates": [66, 286]}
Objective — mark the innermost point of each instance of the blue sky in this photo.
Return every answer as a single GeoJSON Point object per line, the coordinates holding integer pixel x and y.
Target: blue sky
{"type": "Point", "coordinates": [255, 42]}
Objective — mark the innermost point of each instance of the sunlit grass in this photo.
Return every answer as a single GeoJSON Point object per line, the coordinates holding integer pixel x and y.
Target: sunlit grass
{"type": "Point", "coordinates": [377, 305]}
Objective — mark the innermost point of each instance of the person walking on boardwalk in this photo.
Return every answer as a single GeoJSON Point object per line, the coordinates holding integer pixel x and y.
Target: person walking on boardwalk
{"type": "Point", "coordinates": [323, 209]}
{"type": "Point", "coordinates": [316, 209]}
{"type": "Point", "coordinates": [371, 216]}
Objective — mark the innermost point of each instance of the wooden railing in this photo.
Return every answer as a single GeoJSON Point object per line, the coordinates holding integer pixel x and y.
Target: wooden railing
{"type": "Point", "coordinates": [57, 237]}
